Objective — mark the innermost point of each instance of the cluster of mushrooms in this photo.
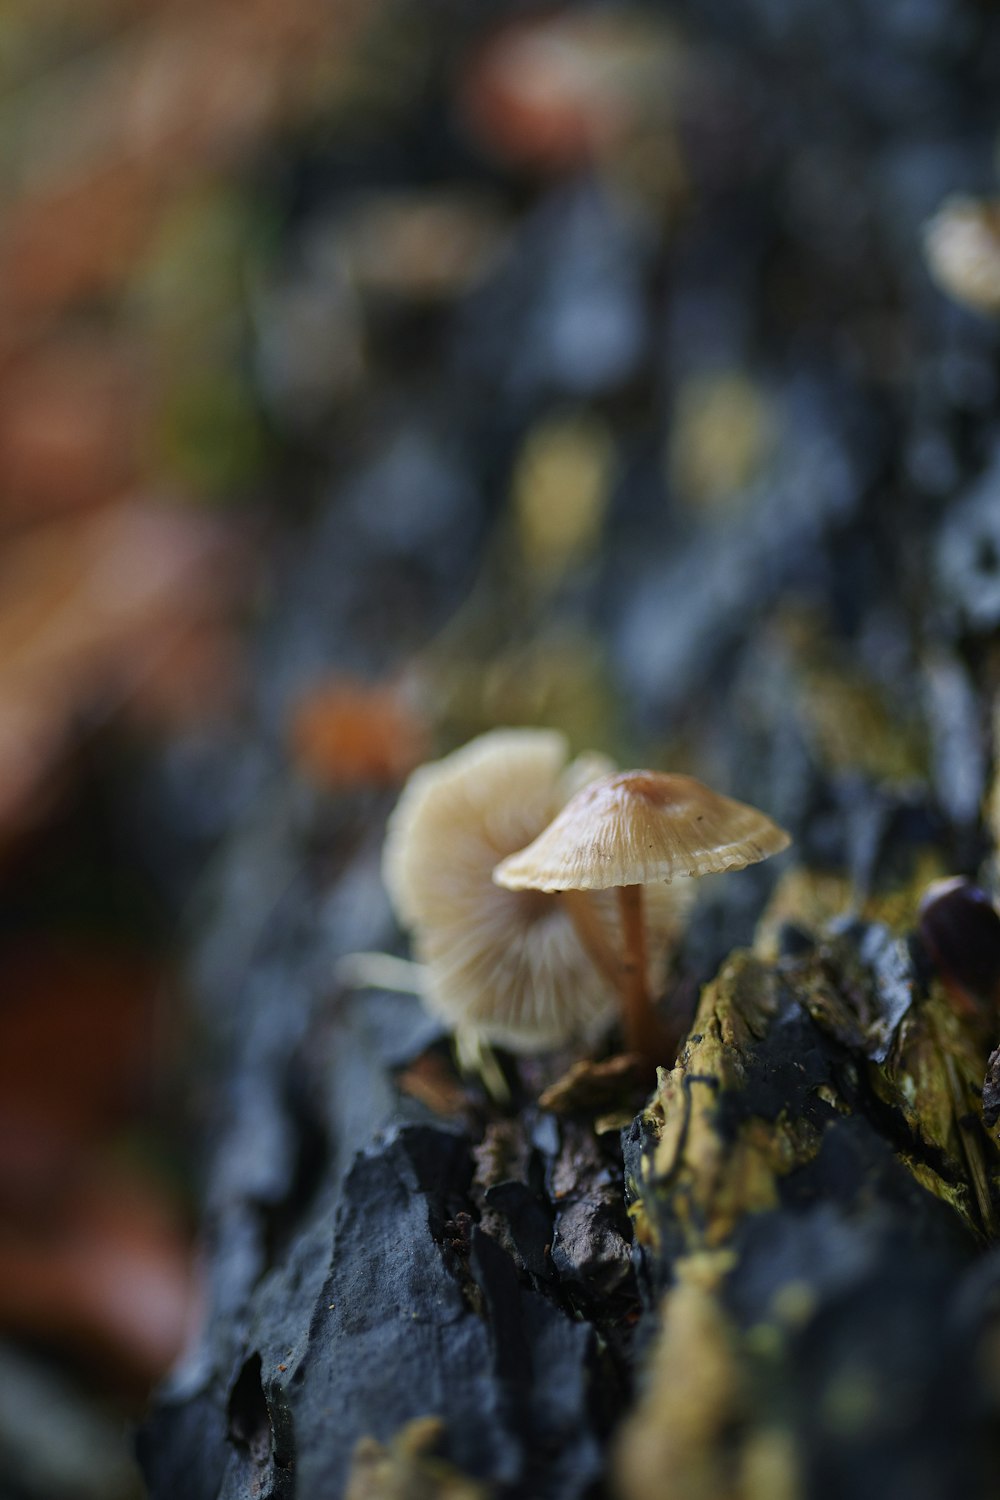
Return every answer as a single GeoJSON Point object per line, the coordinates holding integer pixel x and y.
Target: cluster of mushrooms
{"type": "Point", "coordinates": [545, 894]}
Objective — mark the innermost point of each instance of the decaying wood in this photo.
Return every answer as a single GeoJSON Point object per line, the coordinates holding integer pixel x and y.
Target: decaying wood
{"type": "Point", "coordinates": [813, 1185]}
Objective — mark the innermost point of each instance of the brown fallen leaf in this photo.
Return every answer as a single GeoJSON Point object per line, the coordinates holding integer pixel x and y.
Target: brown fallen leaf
{"type": "Point", "coordinates": [432, 1082]}
{"type": "Point", "coordinates": [591, 1088]}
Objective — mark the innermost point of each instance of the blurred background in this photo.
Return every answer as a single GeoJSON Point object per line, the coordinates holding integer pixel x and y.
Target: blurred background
{"type": "Point", "coordinates": [373, 372]}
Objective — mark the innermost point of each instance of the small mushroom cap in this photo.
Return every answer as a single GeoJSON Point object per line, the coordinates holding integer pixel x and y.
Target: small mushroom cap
{"type": "Point", "coordinates": [507, 966]}
{"type": "Point", "coordinates": [962, 246]}
{"type": "Point", "coordinates": [637, 827]}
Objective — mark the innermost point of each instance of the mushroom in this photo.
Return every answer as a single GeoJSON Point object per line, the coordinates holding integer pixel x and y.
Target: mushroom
{"type": "Point", "coordinates": [962, 247]}
{"type": "Point", "coordinates": [522, 969]}
{"type": "Point", "coordinates": [633, 829]}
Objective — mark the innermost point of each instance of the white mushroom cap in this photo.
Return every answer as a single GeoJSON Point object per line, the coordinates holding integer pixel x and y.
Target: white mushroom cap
{"type": "Point", "coordinates": [505, 965]}
{"type": "Point", "coordinates": [962, 245]}
{"type": "Point", "coordinates": [637, 827]}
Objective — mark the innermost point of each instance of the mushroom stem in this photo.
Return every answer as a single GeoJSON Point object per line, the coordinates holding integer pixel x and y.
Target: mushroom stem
{"type": "Point", "coordinates": [593, 939]}
{"type": "Point", "coordinates": [381, 971]}
{"type": "Point", "coordinates": [643, 1033]}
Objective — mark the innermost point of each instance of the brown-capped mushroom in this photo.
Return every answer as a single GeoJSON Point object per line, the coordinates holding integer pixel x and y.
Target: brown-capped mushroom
{"type": "Point", "coordinates": [522, 969]}
{"type": "Point", "coordinates": [633, 829]}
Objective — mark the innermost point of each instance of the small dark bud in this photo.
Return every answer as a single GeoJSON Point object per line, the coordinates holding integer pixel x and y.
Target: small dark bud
{"type": "Point", "coordinates": [960, 931]}
{"type": "Point", "coordinates": [991, 1090]}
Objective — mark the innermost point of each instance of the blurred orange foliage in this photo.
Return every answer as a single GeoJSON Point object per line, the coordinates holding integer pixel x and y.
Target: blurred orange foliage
{"type": "Point", "coordinates": [106, 1274]}
{"type": "Point", "coordinates": [89, 606]}
{"type": "Point", "coordinates": [71, 413]}
{"type": "Point", "coordinates": [93, 1257]}
{"type": "Point", "coordinates": [116, 594]}
{"type": "Point", "coordinates": [181, 92]}
{"type": "Point", "coordinates": [348, 733]}
{"type": "Point", "coordinates": [75, 1055]}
